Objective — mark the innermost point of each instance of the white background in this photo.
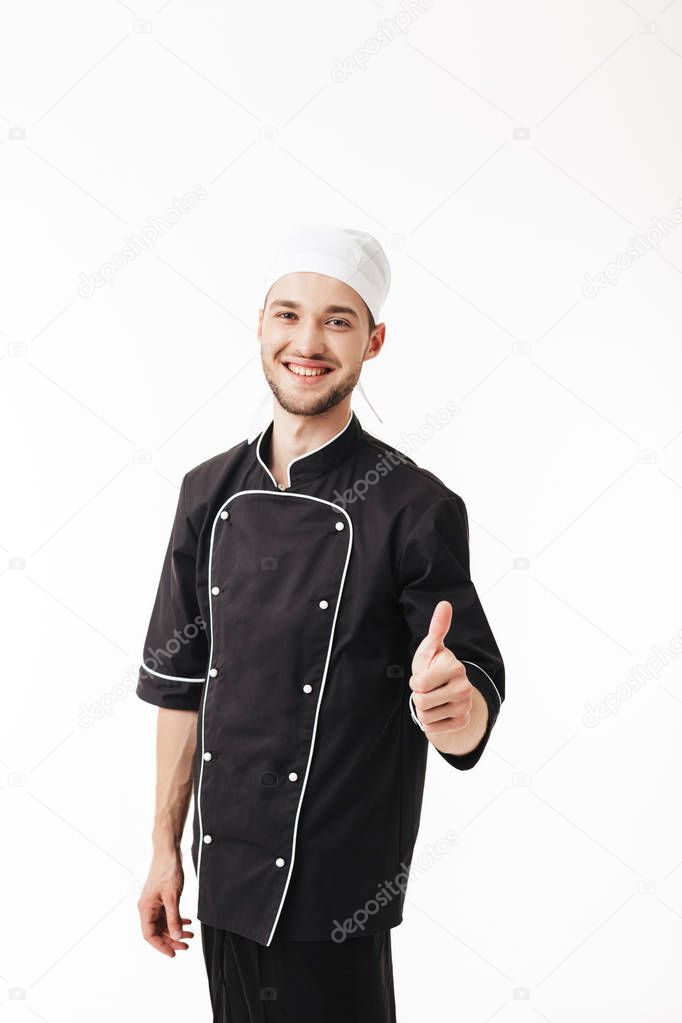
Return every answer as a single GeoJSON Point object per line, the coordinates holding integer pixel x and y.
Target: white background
{"type": "Point", "coordinates": [500, 151]}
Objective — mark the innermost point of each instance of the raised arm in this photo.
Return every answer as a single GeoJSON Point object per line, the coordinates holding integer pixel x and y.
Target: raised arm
{"type": "Point", "coordinates": [434, 568]}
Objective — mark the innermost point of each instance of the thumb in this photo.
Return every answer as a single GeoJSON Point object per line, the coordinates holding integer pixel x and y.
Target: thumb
{"type": "Point", "coordinates": [433, 641]}
{"type": "Point", "coordinates": [171, 906]}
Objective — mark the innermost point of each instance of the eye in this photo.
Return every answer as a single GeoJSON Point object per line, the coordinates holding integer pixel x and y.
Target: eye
{"type": "Point", "coordinates": [344, 323]}
{"type": "Point", "coordinates": [285, 313]}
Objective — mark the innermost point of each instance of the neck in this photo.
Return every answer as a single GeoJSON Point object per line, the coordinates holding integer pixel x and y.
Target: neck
{"type": "Point", "coordinates": [293, 435]}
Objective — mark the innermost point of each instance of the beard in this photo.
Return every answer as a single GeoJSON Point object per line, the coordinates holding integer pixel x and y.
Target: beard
{"type": "Point", "coordinates": [313, 405]}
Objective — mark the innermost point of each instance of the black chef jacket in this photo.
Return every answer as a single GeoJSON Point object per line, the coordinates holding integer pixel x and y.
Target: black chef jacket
{"type": "Point", "coordinates": [288, 617]}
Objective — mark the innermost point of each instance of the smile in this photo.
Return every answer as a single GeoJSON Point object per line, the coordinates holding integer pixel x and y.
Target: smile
{"type": "Point", "coordinates": [305, 371]}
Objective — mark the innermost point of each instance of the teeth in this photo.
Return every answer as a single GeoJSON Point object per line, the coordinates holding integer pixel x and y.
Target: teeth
{"type": "Point", "coordinates": [303, 371]}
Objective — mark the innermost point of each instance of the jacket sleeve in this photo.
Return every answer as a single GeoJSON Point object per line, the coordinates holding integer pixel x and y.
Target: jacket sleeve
{"type": "Point", "coordinates": [434, 565]}
{"type": "Point", "coordinates": [174, 662]}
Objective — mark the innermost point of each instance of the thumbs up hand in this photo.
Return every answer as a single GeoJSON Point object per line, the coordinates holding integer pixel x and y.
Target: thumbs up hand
{"type": "Point", "coordinates": [444, 699]}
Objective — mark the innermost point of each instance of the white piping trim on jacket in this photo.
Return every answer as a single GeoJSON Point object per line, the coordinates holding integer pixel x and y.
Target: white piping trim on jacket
{"type": "Point", "coordinates": [413, 713]}
{"type": "Point", "coordinates": [174, 678]}
{"type": "Point", "coordinates": [298, 457]}
{"type": "Point", "coordinates": [340, 511]}
{"type": "Point", "coordinates": [474, 665]}
{"type": "Point", "coordinates": [487, 676]}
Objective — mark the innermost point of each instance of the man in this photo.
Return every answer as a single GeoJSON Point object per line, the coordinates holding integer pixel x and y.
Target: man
{"type": "Point", "coordinates": [315, 629]}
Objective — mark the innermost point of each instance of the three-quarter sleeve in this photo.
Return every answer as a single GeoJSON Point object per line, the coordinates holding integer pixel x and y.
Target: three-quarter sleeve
{"type": "Point", "coordinates": [433, 566]}
{"type": "Point", "coordinates": [174, 662]}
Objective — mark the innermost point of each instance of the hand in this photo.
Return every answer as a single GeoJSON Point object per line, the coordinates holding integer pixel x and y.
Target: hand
{"type": "Point", "coordinates": [443, 695]}
{"type": "Point", "coordinates": [159, 908]}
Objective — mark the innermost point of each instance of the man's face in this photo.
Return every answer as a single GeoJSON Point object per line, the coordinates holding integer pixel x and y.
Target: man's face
{"type": "Point", "coordinates": [314, 323]}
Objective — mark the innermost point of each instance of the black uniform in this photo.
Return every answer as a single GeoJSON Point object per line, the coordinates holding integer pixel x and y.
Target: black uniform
{"type": "Point", "coordinates": [288, 617]}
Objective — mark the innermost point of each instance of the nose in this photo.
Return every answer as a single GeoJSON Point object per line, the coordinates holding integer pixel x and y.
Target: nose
{"type": "Point", "coordinates": [307, 336]}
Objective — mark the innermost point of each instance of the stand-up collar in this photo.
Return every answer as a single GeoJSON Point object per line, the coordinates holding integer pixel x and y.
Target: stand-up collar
{"type": "Point", "coordinates": [317, 462]}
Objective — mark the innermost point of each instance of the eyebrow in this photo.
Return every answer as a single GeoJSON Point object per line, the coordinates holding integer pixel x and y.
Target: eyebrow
{"type": "Point", "coordinates": [328, 309]}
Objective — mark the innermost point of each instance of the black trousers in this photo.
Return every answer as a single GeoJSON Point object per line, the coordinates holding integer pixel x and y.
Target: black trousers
{"type": "Point", "coordinates": [299, 981]}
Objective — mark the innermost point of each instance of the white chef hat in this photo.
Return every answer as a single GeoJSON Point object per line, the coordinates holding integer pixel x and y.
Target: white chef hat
{"type": "Point", "coordinates": [351, 256]}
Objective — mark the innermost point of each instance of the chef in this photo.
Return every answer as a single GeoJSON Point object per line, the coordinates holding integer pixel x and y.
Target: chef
{"type": "Point", "coordinates": [315, 630]}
